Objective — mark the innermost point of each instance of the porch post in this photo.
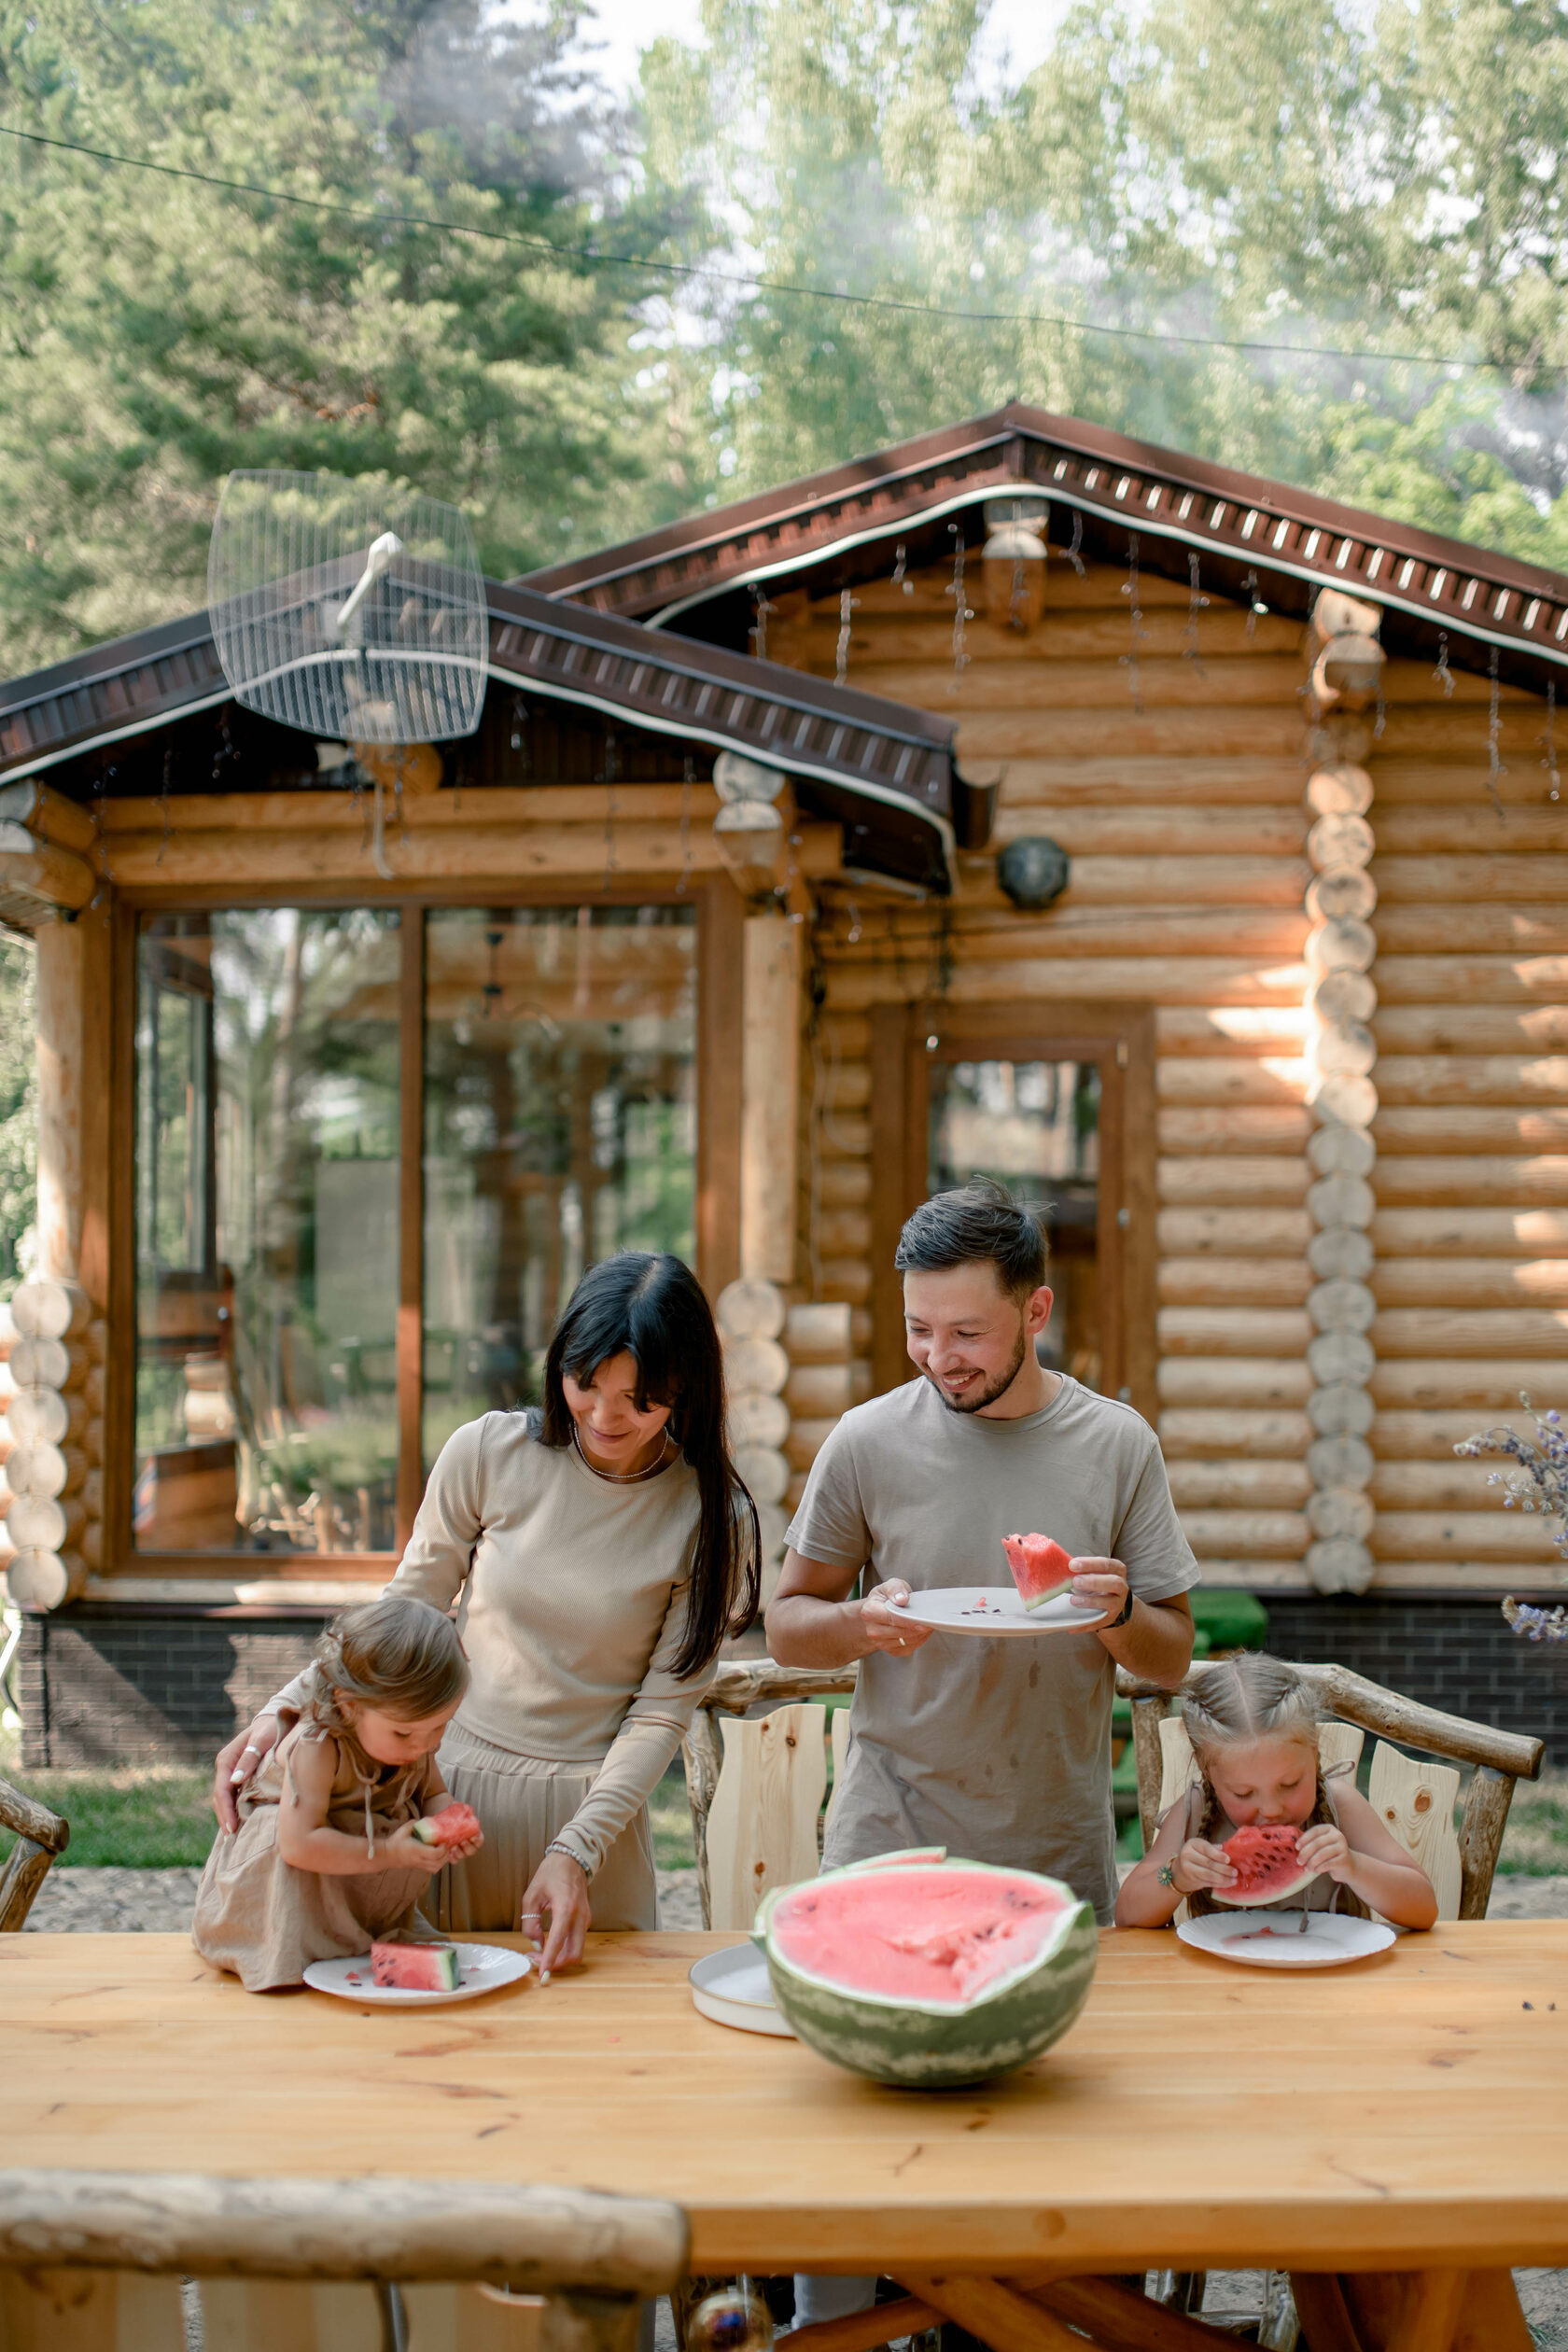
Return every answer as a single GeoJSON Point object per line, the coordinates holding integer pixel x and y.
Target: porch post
{"type": "Point", "coordinates": [770, 1091]}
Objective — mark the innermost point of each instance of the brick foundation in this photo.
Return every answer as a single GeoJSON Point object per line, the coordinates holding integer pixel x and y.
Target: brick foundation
{"type": "Point", "coordinates": [144, 1684]}
{"type": "Point", "coordinates": [167, 1684]}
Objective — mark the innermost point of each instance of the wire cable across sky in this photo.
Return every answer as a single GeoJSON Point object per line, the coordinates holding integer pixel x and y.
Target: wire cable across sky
{"type": "Point", "coordinates": [594, 258]}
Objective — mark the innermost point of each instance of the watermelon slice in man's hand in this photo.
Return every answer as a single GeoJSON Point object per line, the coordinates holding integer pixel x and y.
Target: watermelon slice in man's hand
{"type": "Point", "coordinates": [1040, 1569]}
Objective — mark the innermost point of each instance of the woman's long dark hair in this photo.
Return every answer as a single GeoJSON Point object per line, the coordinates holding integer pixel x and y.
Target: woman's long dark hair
{"type": "Point", "coordinates": [651, 1307]}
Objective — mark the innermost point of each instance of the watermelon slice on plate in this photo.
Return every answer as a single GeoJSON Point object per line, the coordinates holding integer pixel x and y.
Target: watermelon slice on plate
{"type": "Point", "coordinates": [415, 1967]}
{"type": "Point", "coordinates": [451, 1825]}
{"type": "Point", "coordinates": [1267, 1857]}
{"type": "Point", "coordinates": [1040, 1569]}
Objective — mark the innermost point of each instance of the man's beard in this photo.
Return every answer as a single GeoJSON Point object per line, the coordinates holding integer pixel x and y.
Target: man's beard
{"type": "Point", "coordinates": [998, 1387]}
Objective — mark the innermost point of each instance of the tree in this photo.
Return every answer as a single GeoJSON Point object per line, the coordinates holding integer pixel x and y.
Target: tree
{"type": "Point", "coordinates": [155, 333]}
{"type": "Point", "coordinates": [1240, 169]}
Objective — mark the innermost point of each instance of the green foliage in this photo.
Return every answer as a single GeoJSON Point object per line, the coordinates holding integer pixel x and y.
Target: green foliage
{"type": "Point", "coordinates": [155, 333]}
{"type": "Point", "coordinates": [19, 1082]}
{"type": "Point", "coordinates": [1347, 180]}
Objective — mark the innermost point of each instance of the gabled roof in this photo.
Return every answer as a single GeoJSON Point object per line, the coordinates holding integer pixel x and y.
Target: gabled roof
{"type": "Point", "coordinates": [883, 769]}
{"type": "Point", "coordinates": [835, 526]}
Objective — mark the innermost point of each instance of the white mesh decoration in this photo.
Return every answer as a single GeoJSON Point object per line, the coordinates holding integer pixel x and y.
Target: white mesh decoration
{"type": "Point", "coordinates": [348, 611]}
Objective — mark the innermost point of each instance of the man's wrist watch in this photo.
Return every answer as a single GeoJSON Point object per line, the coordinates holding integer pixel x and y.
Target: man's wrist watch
{"type": "Point", "coordinates": [1110, 1623]}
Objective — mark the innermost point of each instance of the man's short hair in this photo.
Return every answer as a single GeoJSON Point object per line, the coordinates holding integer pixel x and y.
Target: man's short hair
{"type": "Point", "coordinates": [978, 1222]}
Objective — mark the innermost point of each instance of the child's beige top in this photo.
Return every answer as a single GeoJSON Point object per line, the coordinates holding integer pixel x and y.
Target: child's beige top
{"type": "Point", "coordinates": [573, 1609]}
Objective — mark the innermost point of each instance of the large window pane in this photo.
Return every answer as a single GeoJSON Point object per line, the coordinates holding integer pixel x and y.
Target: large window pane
{"type": "Point", "coordinates": [560, 1125]}
{"type": "Point", "coordinates": [267, 1231]}
{"type": "Point", "coordinates": [1035, 1127]}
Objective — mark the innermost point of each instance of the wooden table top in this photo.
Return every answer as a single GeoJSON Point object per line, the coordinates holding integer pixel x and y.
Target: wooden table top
{"type": "Point", "coordinates": [1406, 2110]}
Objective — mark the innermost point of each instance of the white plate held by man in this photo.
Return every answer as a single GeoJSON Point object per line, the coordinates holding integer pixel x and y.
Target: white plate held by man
{"type": "Point", "coordinates": [997, 1609]}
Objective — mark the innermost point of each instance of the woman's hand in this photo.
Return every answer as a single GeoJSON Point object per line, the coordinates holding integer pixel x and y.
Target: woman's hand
{"type": "Point", "coordinates": [244, 1755]}
{"type": "Point", "coordinates": [885, 1622]}
{"type": "Point", "coordinates": [1200, 1864]}
{"type": "Point", "coordinates": [403, 1850]}
{"type": "Point", "coordinates": [558, 1891]}
{"type": "Point", "coordinates": [1325, 1848]}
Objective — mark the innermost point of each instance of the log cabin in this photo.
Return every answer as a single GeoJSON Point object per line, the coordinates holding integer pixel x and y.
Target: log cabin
{"type": "Point", "coordinates": [1180, 847]}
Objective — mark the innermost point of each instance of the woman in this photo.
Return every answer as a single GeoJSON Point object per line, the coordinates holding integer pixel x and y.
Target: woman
{"type": "Point", "coordinates": [603, 1548]}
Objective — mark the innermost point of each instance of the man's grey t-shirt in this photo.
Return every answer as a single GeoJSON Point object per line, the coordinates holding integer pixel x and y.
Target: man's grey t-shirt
{"type": "Point", "coordinates": [998, 1750]}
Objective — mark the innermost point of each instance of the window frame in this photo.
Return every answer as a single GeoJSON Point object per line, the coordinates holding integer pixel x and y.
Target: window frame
{"type": "Point", "coordinates": [720, 916]}
{"type": "Point", "coordinates": [1120, 1038]}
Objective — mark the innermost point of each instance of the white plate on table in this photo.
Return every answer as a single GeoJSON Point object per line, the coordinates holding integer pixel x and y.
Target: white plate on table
{"type": "Point", "coordinates": [732, 1987]}
{"type": "Point", "coordinates": [480, 1968]}
{"type": "Point", "coordinates": [1273, 1939]}
{"type": "Point", "coordinates": [952, 1609]}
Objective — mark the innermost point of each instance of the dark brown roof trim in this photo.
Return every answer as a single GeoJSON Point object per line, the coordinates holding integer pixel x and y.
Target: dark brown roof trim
{"type": "Point", "coordinates": [1490, 598]}
{"type": "Point", "coordinates": [832, 735]}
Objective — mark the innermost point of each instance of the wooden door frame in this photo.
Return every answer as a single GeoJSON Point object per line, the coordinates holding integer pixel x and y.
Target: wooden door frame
{"type": "Point", "coordinates": [905, 1039]}
{"type": "Point", "coordinates": [719, 924]}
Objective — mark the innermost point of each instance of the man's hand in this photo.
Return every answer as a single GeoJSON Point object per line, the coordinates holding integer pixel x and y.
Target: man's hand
{"type": "Point", "coordinates": [244, 1755]}
{"type": "Point", "coordinates": [886, 1623]}
{"type": "Point", "coordinates": [1100, 1584]}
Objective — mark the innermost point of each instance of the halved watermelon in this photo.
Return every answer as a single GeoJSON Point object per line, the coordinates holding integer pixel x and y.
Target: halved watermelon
{"type": "Point", "coordinates": [415, 1967]}
{"type": "Point", "coordinates": [929, 1973]}
{"type": "Point", "coordinates": [1040, 1569]}
{"type": "Point", "coordinates": [451, 1825]}
{"type": "Point", "coordinates": [1267, 1857]}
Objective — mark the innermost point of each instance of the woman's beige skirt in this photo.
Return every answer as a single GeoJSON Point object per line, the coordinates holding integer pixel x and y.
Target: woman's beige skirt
{"type": "Point", "coordinates": [523, 1802]}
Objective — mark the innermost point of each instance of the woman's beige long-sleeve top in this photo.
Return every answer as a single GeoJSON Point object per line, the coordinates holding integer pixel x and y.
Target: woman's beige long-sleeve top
{"type": "Point", "coordinates": [573, 1609]}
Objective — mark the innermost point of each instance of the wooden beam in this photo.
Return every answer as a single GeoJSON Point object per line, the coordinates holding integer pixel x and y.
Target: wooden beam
{"type": "Point", "coordinates": [58, 819]}
{"type": "Point", "coordinates": [770, 1091]}
{"type": "Point", "coordinates": [39, 879]}
{"type": "Point", "coordinates": [530, 2238]}
{"type": "Point", "coordinates": [720, 985]}
{"type": "Point", "coordinates": [994, 2311]}
{"type": "Point", "coordinates": [860, 2331]}
{"type": "Point", "coordinates": [410, 1222]}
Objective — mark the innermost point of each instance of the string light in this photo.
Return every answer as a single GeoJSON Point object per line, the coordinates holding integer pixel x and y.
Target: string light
{"type": "Point", "coordinates": [1443, 675]}
{"type": "Point", "coordinates": [1549, 763]}
{"type": "Point", "coordinates": [1255, 606]}
{"type": "Point", "coordinates": [846, 604]}
{"type": "Point", "coordinates": [610, 806]}
{"type": "Point", "coordinates": [900, 569]}
{"type": "Point", "coordinates": [961, 610]}
{"type": "Point", "coordinates": [686, 783]}
{"type": "Point", "coordinates": [759, 628]}
{"type": "Point", "coordinates": [1196, 603]}
{"type": "Point", "coordinates": [1073, 556]}
{"type": "Point", "coordinates": [164, 806]}
{"type": "Point", "coordinates": [1496, 769]}
{"type": "Point", "coordinates": [1140, 634]}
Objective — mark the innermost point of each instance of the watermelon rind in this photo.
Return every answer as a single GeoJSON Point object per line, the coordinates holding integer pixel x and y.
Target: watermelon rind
{"type": "Point", "coordinates": [939, 2046]}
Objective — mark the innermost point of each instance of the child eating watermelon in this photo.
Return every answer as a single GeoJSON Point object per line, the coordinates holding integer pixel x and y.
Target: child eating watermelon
{"type": "Point", "coordinates": [348, 1820]}
{"type": "Point", "coordinates": [1262, 1826]}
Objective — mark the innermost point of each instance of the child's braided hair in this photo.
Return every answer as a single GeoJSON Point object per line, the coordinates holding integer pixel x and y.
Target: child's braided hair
{"type": "Point", "coordinates": [398, 1655]}
{"type": "Point", "coordinates": [1248, 1697]}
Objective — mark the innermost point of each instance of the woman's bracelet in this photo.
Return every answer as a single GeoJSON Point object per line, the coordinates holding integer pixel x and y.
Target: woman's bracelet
{"type": "Point", "coordinates": [1167, 1876]}
{"type": "Point", "coordinates": [559, 1845]}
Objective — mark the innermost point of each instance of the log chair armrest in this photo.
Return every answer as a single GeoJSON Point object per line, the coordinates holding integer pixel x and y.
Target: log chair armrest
{"type": "Point", "coordinates": [29, 1819]}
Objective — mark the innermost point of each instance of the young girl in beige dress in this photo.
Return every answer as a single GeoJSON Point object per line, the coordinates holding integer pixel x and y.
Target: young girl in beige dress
{"type": "Point", "coordinates": [324, 1859]}
{"type": "Point", "coordinates": [1253, 1727]}
{"type": "Point", "coordinates": [596, 1552]}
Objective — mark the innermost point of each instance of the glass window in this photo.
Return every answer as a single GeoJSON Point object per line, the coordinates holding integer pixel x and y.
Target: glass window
{"type": "Point", "coordinates": [1035, 1127]}
{"type": "Point", "coordinates": [267, 1230]}
{"type": "Point", "coordinates": [560, 1125]}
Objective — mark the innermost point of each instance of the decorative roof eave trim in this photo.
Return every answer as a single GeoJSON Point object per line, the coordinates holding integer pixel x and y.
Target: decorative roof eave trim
{"type": "Point", "coordinates": [1483, 596]}
{"type": "Point", "coordinates": [1553, 649]}
{"type": "Point", "coordinates": [123, 732]}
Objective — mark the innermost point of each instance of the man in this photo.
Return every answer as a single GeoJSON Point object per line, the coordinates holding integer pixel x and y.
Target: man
{"type": "Point", "coordinates": [999, 1750]}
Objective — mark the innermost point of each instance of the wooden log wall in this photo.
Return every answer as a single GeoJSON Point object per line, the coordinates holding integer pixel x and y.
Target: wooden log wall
{"type": "Point", "coordinates": [1173, 766]}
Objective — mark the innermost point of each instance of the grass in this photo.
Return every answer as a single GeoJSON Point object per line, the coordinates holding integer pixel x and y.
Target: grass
{"type": "Point", "coordinates": [1536, 1842]}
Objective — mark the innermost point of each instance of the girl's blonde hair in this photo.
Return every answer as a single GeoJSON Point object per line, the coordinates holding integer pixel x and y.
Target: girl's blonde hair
{"type": "Point", "coordinates": [398, 1655]}
{"type": "Point", "coordinates": [1247, 1697]}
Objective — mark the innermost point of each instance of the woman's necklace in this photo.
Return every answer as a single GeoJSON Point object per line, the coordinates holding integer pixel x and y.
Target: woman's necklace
{"type": "Point", "coordinates": [624, 1478]}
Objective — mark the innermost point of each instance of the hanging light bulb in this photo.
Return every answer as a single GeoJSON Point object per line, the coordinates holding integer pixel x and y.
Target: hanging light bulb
{"type": "Point", "coordinates": [734, 2319]}
{"type": "Point", "coordinates": [1015, 561]}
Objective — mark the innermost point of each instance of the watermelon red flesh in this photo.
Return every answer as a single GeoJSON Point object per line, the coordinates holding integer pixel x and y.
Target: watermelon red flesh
{"type": "Point", "coordinates": [416, 1967]}
{"type": "Point", "coordinates": [451, 1825]}
{"type": "Point", "coordinates": [1040, 1569]}
{"type": "Point", "coordinates": [1267, 1857]}
{"type": "Point", "coordinates": [927, 1935]}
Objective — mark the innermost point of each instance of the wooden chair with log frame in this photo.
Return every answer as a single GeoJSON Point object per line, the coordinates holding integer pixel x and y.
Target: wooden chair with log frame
{"type": "Point", "coordinates": [40, 1835]}
{"type": "Point", "coordinates": [94, 2262]}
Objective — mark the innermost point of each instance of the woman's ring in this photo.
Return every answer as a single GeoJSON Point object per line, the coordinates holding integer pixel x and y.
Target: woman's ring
{"type": "Point", "coordinates": [250, 1748]}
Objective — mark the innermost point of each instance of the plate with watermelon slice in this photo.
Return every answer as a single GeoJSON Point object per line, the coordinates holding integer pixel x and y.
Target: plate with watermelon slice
{"type": "Point", "coordinates": [414, 1974]}
{"type": "Point", "coordinates": [1038, 1601]}
{"type": "Point", "coordinates": [1275, 1940]}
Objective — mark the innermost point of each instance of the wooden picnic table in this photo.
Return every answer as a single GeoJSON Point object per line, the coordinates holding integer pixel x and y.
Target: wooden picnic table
{"type": "Point", "coordinates": [1406, 2114]}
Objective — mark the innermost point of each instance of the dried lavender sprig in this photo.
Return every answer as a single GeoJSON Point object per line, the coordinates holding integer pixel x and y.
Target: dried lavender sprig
{"type": "Point", "coordinates": [1533, 1624]}
{"type": "Point", "coordinates": [1538, 1482]}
